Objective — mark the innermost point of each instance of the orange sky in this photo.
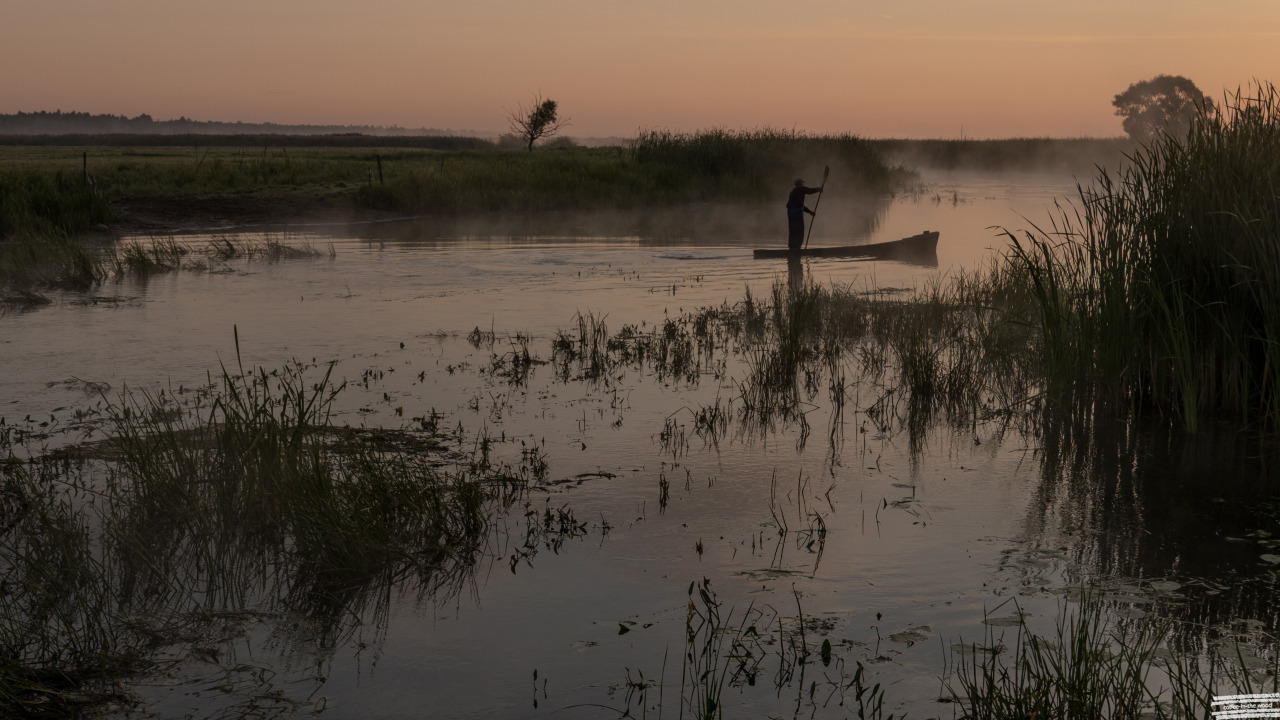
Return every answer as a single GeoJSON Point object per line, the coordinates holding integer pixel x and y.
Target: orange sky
{"type": "Point", "coordinates": [879, 68]}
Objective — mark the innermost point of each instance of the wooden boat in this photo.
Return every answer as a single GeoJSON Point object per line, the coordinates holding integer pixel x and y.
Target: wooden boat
{"type": "Point", "coordinates": [922, 248]}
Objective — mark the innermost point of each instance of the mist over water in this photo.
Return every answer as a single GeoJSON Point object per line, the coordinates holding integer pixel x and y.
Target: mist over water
{"type": "Point", "coordinates": [922, 534]}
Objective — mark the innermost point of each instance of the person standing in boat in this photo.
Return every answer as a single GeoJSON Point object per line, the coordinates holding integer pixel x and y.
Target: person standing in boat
{"type": "Point", "coordinates": [795, 214]}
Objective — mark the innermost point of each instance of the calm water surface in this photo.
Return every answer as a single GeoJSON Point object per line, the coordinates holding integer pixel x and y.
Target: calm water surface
{"type": "Point", "coordinates": [917, 545]}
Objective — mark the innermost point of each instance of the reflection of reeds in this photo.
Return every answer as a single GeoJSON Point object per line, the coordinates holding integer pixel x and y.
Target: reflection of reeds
{"type": "Point", "coordinates": [248, 500]}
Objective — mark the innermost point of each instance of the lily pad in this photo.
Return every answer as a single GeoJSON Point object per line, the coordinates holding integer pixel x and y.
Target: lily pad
{"type": "Point", "coordinates": [1165, 586]}
{"type": "Point", "coordinates": [1269, 558]}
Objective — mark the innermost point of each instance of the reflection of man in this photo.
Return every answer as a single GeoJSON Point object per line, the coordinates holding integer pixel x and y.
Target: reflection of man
{"type": "Point", "coordinates": [795, 214]}
{"type": "Point", "coordinates": [795, 272]}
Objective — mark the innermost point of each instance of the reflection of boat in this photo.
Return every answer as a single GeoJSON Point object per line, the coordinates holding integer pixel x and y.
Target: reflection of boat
{"type": "Point", "coordinates": [922, 249]}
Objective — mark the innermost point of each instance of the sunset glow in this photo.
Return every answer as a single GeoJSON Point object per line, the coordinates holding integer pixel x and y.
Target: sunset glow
{"type": "Point", "coordinates": [928, 68]}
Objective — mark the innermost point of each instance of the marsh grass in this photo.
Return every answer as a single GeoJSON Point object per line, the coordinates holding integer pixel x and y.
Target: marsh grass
{"type": "Point", "coordinates": [1091, 665]}
{"type": "Point", "coordinates": [752, 163]}
{"type": "Point", "coordinates": [947, 350]}
{"type": "Point", "coordinates": [708, 663]}
{"type": "Point", "coordinates": [960, 350]}
{"type": "Point", "coordinates": [265, 248]}
{"type": "Point", "coordinates": [660, 168]}
{"type": "Point", "coordinates": [134, 257]}
{"type": "Point", "coordinates": [29, 263]}
{"type": "Point", "coordinates": [244, 497]}
{"type": "Point", "coordinates": [1159, 291]}
{"type": "Point", "coordinates": [41, 203]}
{"type": "Point", "coordinates": [735, 650]}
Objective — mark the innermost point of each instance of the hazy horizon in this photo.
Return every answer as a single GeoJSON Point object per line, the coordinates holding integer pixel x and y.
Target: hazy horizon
{"type": "Point", "coordinates": [883, 69]}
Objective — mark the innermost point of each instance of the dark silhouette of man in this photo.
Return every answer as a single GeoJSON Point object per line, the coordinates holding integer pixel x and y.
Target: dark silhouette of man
{"type": "Point", "coordinates": [795, 214]}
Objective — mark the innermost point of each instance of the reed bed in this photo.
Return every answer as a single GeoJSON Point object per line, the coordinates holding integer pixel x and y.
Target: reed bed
{"type": "Point", "coordinates": [1092, 665]}
{"type": "Point", "coordinates": [58, 203]}
{"type": "Point", "coordinates": [959, 350]}
{"type": "Point", "coordinates": [754, 163]}
{"type": "Point", "coordinates": [42, 215]}
{"type": "Point", "coordinates": [903, 358]}
{"type": "Point", "coordinates": [29, 263]}
{"type": "Point", "coordinates": [242, 497]}
{"type": "Point", "coordinates": [660, 168]}
{"type": "Point", "coordinates": [32, 264]}
{"type": "Point", "coordinates": [1159, 291]}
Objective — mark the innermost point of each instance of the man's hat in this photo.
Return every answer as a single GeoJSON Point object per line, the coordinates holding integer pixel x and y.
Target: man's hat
{"type": "Point", "coordinates": [799, 181]}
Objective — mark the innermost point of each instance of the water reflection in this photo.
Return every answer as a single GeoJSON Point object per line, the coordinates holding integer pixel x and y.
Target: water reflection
{"type": "Point", "coordinates": [720, 224]}
{"type": "Point", "coordinates": [795, 273]}
{"type": "Point", "coordinates": [1128, 502]}
{"type": "Point", "coordinates": [1145, 499]}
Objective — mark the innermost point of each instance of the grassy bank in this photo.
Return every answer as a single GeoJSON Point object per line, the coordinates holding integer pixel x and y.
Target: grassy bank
{"type": "Point", "coordinates": [659, 168]}
{"type": "Point", "coordinates": [50, 194]}
{"type": "Point", "coordinates": [254, 140]}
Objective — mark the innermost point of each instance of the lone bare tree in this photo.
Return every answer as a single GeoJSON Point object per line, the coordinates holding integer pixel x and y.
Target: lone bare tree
{"type": "Point", "coordinates": [538, 120]}
{"type": "Point", "coordinates": [1165, 103]}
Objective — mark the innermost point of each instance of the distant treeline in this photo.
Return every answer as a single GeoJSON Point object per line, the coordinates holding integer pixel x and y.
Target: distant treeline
{"type": "Point", "coordinates": [260, 140]}
{"type": "Point", "coordinates": [68, 123]}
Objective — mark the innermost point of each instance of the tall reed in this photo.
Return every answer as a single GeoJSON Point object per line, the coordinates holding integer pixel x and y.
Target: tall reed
{"type": "Point", "coordinates": [49, 204]}
{"type": "Point", "coordinates": [1162, 290]}
{"type": "Point", "coordinates": [756, 160]}
{"type": "Point", "coordinates": [1091, 666]}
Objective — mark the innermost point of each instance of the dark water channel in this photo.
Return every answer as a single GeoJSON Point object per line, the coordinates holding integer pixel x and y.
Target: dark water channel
{"type": "Point", "coordinates": [914, 546]}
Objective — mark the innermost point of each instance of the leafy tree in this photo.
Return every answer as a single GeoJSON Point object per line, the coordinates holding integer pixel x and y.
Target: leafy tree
{"type": "Point", "coordinates": [1163, 104]}
{"type": "Point", "coordinates": [538, 120]}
